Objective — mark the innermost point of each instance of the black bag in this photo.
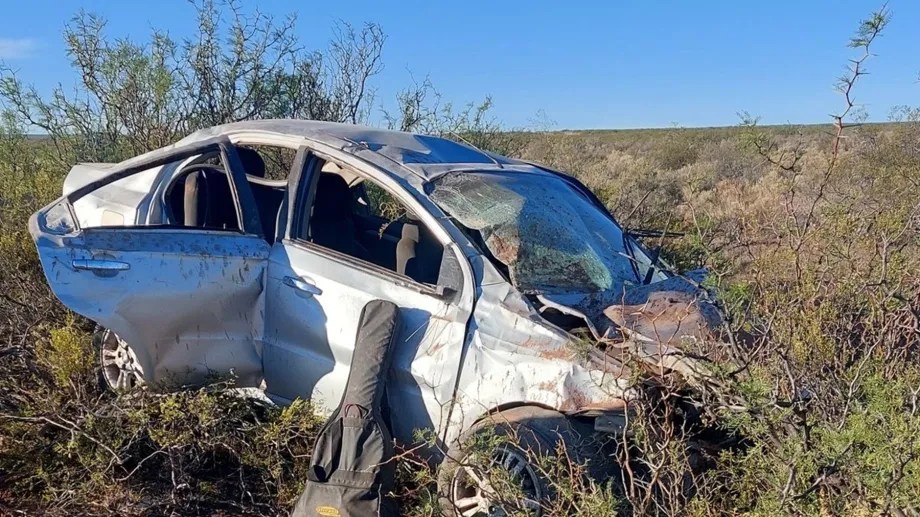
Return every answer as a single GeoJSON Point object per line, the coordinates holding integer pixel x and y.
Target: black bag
{"type": "Point", "coordinates": [352, 467]}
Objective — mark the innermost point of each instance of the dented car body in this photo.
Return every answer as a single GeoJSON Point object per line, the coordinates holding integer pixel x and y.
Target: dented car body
{"type": "Point", "coordinates": [203, 266]}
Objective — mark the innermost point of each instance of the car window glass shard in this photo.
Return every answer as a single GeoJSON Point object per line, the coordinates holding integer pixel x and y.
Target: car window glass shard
{"type": "Point", "coordinates": [550, 237]}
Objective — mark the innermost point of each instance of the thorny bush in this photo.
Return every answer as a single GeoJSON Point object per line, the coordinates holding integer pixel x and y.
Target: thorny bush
{"type": "Point", "coordinates": [812, 235]}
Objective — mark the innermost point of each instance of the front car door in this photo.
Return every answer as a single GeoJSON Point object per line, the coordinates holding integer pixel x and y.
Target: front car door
{"type": "Point", "coordinates": [314, 297]}
{"type": "Point", "coordinates": [186, 299]}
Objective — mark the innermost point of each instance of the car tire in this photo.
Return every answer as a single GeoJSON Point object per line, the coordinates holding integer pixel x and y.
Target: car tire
{"type": "Point", "coordinates": [537, 432]}
{"type": "Point", "coordinates": [119, 369]}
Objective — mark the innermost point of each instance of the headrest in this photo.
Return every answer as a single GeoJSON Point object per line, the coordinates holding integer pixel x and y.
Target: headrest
{"type": "Point", "coordinates": [410, 232]}
{"type": "Point", "coordinates": [333, 199]}
{"type": "Point", "coordinates": [253, 164]}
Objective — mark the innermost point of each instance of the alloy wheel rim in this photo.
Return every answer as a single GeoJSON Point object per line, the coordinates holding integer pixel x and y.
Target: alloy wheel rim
{"type": "Point", "coordinates": [120, 368]}
{"type": "Point", "coordinates": [472, 493]}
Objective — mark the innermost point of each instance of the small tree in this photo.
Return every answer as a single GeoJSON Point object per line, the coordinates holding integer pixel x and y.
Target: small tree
{"type": "Point", "coordinates": [136, 96]}
{"type": "Point", "coordinates": [420, 110]}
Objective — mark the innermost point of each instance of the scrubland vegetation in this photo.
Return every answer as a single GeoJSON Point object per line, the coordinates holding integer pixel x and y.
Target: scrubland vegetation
{"type": "Point", "coordinates": [812, 235]}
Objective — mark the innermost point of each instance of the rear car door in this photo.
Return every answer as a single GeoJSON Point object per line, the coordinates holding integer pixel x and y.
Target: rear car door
{"type": "Point", "coordinates": [186, 299]}
{"type": "Point", "coordinates": [314, 297]}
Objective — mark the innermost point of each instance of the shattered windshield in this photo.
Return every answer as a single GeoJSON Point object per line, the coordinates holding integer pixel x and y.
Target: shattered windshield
{"type": "Point", "coordinates": [550, 236]}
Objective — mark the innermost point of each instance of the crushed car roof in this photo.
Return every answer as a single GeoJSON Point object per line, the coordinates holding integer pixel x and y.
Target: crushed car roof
{"type": "Point", "coordinates": [425, 156]}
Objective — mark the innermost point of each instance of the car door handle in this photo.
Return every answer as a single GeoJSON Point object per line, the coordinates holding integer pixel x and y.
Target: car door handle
{"type": "Point", "coordinates": [301, 285]}
{"type": "Point", "coordinates": [100, 265]}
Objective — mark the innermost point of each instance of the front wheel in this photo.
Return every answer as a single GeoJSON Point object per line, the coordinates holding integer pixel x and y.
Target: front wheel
{"type": "Point", "coordinates": [497, 468]}
{"type": "Point", "coordinates": [120, 370]}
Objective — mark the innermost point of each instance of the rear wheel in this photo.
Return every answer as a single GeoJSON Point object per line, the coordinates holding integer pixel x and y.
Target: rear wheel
{"type": "Point", "coordinates": [120, 369]}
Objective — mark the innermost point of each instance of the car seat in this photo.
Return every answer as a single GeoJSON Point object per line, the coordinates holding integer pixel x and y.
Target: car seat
{"type": "Point", "coordinates": [418, 253]}
{"type": "Point", "coordinates": [332, 221]}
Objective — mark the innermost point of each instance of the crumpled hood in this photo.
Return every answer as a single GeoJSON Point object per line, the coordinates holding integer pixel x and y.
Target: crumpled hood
{"type": "Point", "coordinates": [668, 312]}
{"type": "Point", "coordinates": [670, 326]}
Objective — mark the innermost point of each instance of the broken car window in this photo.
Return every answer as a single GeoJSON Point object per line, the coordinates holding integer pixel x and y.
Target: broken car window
{"type": "Point", "coordinates": [271, 162]}
{"type": "Point", "coordinates": [368, 223]}
{"type": "Point", "coordinates": [551, 238]}
{"type": "Point", "coordinates": [381, 204]}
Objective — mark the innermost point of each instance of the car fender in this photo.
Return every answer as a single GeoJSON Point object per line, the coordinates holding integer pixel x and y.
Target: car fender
{"type": "Point", "coordinates": [514, 358]}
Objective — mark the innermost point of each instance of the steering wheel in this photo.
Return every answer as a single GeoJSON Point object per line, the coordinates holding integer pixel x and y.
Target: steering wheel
{"type": "Point", "coordinates": [204, 170]}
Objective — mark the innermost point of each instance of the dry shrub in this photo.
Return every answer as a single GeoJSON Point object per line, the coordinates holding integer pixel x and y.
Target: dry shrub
{"type": "Point", "coordinates": [815, 256]}
{"type": "Point", "coordinates": [192, 452]}
{"type": "Point", "coordinates": [826, 316]}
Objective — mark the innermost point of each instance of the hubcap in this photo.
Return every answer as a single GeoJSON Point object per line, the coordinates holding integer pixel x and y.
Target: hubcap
{"type": "Point", "coordinates": [119, 364]}
{"type": "Point", "coordinates": [473, 493]}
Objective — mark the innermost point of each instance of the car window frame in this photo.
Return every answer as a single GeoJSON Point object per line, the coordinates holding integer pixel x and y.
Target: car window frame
{"type": "Point", "coordinates": [302, 194]}
{"type": "Point", "coordinates": [301, 152]}
{"type": "Point", "coordinates": [243, 200]}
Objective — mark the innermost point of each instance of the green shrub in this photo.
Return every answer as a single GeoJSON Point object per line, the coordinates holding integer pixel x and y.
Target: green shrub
{"type": "Point", "coordinates": [68, 354]}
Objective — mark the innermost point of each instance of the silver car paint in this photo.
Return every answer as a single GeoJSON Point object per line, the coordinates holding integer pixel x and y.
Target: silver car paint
{"type": "Point", "coordinates": [484, 350]}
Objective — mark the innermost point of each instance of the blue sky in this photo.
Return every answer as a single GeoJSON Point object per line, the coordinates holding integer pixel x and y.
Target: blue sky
{"type": "Point", "coordinates": [604, 64]}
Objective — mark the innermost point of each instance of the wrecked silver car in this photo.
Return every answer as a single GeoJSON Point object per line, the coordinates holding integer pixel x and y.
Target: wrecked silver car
{"type": "Point", "coordinates": [250, 248]}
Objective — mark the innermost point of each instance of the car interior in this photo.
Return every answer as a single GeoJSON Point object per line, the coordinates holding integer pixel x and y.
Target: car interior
{"type": "Point", "coordinates": [199, 195]}
{"type": "Point", "coordinates": [344, 217]}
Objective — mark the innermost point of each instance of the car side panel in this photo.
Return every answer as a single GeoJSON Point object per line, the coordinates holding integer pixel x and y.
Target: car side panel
{"type": "Point", "coordinates": [309, 338]}
{"type": "Point", "coordinates": [189, 301]}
